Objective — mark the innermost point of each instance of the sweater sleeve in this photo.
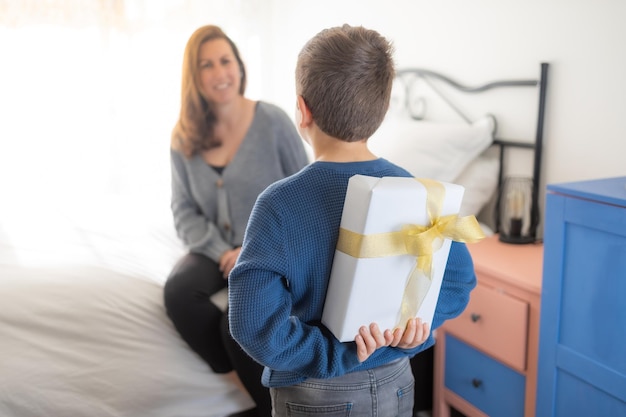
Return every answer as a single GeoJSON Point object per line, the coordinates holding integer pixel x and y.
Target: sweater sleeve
{"type": "Point", "coordinates": [193, 228]}
{"type": "Point", "coordinates": [459, 280]}
{"type": "Point", "coordinates": [261, 312]}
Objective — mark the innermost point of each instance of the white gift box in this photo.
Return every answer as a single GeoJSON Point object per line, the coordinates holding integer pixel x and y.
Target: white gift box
{"type": "Point", "coordinates": [363, 290]}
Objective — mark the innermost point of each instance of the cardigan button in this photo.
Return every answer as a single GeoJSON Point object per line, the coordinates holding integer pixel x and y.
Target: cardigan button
{"type": "Point", "coordinates": [227, 226]}
{"type": "Point", "coordinates": [219, 183]}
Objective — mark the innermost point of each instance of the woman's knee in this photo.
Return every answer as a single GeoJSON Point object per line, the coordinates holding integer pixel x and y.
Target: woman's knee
{"type": "Point", "coordinates": [194, 279]}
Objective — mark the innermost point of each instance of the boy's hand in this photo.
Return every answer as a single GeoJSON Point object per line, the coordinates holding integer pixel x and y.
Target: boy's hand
{"type": "Point", "coordinates": [413, 335]}
{"type": "Point", "coordinates": [371, 338]}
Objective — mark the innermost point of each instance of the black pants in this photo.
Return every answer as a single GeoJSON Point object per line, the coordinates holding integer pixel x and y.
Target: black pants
{"type": "Point", "coordinates": [204, 327]}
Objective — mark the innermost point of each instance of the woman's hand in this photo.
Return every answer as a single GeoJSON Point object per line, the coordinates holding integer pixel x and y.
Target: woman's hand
{"type": "Point", "coordinates": [228, 260]}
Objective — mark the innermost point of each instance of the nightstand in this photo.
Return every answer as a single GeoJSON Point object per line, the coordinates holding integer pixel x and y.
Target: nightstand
{"type": "Point", "coordinates": [583, 319]}
{"type": "Point", "coordinates": [486, 359]}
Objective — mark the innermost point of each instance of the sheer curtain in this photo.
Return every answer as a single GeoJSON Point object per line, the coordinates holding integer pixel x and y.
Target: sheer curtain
{"type": "Point", "coordinates": [89, 93]}
{"type": "Point", "coordinates": [89, 90]}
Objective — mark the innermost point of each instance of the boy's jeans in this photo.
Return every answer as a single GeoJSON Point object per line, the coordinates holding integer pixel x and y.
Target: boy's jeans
{"type": "Point", "coordinates": [386, 391]}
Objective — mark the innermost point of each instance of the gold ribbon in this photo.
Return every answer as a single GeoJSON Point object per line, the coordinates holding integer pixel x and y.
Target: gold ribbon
{"type": "Point", "coordinates": [417, 240]}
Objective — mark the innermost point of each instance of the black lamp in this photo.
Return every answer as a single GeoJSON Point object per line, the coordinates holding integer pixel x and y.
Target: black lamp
{"type": "Point", "coordinates": [515, 211]}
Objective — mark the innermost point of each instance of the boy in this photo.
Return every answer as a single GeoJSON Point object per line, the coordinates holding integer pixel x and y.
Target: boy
{"type": "Point", "coordinates": [277, 289]}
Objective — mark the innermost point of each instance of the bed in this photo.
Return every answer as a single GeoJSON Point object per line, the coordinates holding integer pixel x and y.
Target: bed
{"type": "Point", "coordinates": [82, 327]}
{"type": "Point", "coordinates": [83, 331]}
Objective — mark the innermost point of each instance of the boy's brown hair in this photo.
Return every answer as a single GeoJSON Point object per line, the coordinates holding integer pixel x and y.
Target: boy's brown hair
{"type": "Point", "coordinates": [345, 75]}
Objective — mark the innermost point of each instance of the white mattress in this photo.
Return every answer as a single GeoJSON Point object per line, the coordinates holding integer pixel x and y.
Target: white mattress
{"type": "Point", "coordinates": [83, 331]}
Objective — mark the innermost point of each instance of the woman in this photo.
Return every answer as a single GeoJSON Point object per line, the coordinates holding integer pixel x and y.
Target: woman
{"type": "Point", "coordinates": [225, 150]}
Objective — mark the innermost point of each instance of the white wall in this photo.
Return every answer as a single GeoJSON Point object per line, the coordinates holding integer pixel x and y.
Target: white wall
{"type": "Point", "coordinates": [482, 40]}
{"type": "Point", "coordinates": [123, 87]}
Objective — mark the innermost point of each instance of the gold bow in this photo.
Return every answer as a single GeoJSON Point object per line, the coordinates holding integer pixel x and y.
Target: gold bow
{"type": "Point", "coordinates": [419, 241]}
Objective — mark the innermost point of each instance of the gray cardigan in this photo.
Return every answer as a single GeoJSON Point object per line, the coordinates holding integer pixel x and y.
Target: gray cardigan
{"type": "Point", "coordinates": [211, 210]}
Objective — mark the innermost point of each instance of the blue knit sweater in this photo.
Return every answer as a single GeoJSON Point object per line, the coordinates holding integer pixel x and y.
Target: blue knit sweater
{"type": "Point", "coordinates": [278, 287]}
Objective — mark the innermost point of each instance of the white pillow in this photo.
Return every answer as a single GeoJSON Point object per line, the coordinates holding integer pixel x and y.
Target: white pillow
{"type": "Point", "coordinates": [440, 151]}
{"type": "Point", "coordinates": [480, 179]}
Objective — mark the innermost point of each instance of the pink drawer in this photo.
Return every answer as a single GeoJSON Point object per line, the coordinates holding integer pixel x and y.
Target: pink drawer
{"type": "Point", "coordinates": [495, 323]}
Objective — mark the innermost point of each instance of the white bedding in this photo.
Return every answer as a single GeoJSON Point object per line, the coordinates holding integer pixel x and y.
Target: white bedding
{"type": "Point", "coordinates": [83, 331]}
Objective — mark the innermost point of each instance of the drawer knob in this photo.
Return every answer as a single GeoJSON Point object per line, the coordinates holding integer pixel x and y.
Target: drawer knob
{"type": "Point", "coordinates": [476, 382]}
{"type": "Point", "coordinates": [475, 317]}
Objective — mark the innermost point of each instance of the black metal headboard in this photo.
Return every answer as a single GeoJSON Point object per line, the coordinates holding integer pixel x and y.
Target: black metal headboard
{"type": "Point", "coordinates": [416, 108]}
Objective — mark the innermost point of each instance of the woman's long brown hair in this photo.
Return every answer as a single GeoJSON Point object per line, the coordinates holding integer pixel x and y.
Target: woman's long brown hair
{"type": "Point", "coordinates": [193, 131]}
